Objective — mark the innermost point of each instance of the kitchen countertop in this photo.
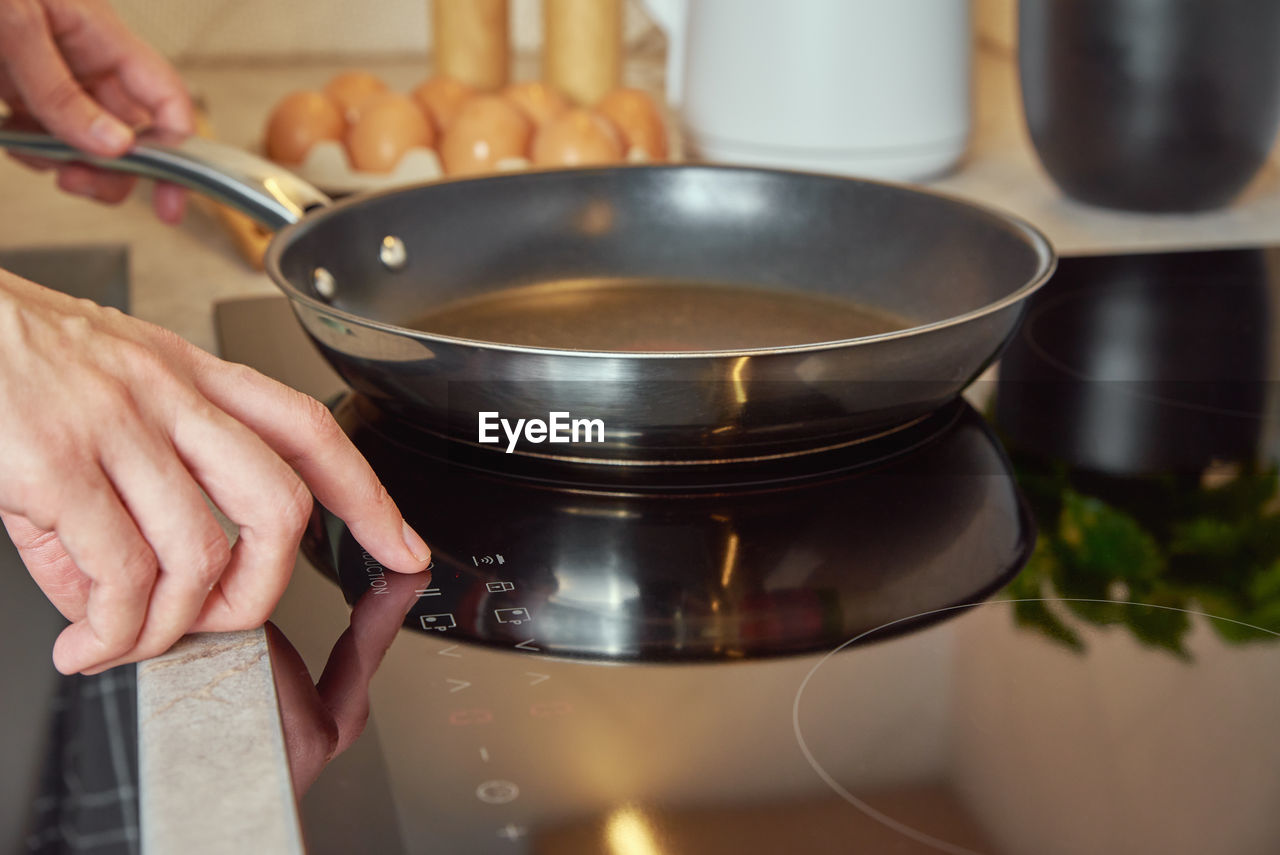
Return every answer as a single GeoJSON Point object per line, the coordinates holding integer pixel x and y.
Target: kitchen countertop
{"type": "Point", "coordinates": [209, 729]}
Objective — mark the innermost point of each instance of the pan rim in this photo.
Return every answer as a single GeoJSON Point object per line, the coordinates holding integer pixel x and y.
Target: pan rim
{"type": "Point", "coordinates": [1034, 238]}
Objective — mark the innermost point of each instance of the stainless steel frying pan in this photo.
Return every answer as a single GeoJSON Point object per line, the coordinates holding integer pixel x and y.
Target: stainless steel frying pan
{"type": "Point", "coordinates": [362, 273]}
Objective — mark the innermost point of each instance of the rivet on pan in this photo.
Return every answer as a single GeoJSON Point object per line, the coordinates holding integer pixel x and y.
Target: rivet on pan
{"type": "Point", "coordinates": [393, 253]}
{"type": "Point", "coordinates": [323, 284]}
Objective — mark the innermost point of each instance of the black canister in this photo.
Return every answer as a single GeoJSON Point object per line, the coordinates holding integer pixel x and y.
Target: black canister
{"type": "Point", "coordinates": [1152, 105]}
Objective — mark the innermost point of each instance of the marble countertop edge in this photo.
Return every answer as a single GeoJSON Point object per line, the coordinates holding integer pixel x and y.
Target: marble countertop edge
{"type": "Point", "coordinates": [213, 771]}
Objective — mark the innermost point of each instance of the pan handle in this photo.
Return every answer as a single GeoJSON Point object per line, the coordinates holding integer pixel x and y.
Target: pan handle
{"type": "Point", "coordinates": [271, 195]}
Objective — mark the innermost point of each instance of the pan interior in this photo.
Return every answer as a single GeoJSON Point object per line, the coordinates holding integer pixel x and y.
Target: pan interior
{"type": "Point", "coordinates": [641, 314]}
{"type": "Point", "coordinates": [621, 255]}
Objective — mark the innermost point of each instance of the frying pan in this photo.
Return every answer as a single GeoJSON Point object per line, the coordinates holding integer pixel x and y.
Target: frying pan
{"type": "Point", "coordinates": [362, 272]}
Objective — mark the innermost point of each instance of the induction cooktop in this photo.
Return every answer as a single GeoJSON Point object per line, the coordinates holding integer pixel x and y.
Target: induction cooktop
{"type": "Point", "coordinates": [666, 571]}
{"type": "Point", "coordinates": [880, 657]}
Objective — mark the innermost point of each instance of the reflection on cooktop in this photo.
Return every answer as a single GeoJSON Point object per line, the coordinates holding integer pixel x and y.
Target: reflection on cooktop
{"type": "Point", "coordinates": [622, 572]}
{"type": "Point", "coordinates": [1137, 405]}
{"type": "Point", "coordinates": [1044, 746]}
{"type": "Point", "coordinates": [1143, 364]}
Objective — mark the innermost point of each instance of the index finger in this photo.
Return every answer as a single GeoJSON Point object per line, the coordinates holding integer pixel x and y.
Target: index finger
{"type": "Point", "coordinates": [303, 432]}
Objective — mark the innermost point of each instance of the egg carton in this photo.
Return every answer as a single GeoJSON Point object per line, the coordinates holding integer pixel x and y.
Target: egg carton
{"type": "Point", "coordinates": [328, 168]}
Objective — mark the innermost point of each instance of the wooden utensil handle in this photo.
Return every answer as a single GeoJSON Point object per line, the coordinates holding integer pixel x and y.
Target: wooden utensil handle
{"type": "Point", "coordinates": [582, 47]}
{"type": "Point", "coordinates": [471, 41]}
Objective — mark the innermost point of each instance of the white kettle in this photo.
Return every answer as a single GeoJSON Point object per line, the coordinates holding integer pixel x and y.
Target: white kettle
{"type": "Point", "coordinates": [876, 88]}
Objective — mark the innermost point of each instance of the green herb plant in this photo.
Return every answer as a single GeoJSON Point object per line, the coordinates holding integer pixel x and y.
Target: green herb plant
{"type": "Point", "coordinates": [1178, 542]}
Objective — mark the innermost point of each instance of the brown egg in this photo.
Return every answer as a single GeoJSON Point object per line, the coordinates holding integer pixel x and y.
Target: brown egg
{"type": "Point", "coordinates": [487, 129]}
{"type": "Point", "coordinates": [351, 89]}
{"type": "Point", "coordinates": [580, 137]}
{"type": "Point", "coordinates": [537, 100]}
{"type": "Point", "coordinates": [299, 121]}
{"type": "Point", "coordinates": [389, 125]}
{"type": "Point", "coordinates": [442, 98]}
{"type": "Point", "coordinates": [638, 118]}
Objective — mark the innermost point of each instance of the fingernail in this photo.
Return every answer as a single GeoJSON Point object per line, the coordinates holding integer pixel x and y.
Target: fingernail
{"type": "Point", "coordinates": [416, 544]}
{"type": "Point", "coordinates": [110, 132]}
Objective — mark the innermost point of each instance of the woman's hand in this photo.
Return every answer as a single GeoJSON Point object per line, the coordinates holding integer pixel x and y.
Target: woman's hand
{"type": "Point", "coordinates": [111, 428]}
{"type": "Point", "coordinates": [75, 67]}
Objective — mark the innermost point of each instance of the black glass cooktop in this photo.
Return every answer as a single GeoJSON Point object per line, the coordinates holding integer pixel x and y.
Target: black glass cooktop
{"type": "Point", "coordinates": [837, 661]}
{"type": "Point", "coordinates": [738, 567]}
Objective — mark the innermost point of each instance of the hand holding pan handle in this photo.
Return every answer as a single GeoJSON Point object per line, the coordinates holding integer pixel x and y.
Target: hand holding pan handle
{"type": "Point", "coordinates": [271, 195]}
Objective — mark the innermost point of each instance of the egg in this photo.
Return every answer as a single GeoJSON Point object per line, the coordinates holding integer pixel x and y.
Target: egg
{"type": "Point", "coordinates": [441, 98]}
{"type": "Point", "coordinates": [298, 122]}
{"type": "Point", "coordinates": [580, 137]}
{"type": "Point", "coordinates": [351, 89]}
{"type": "Point", "coordinates": [537, 100]}
{"type": "Point", "coordinates": [638, 118]}
{"type": "Point", "coordinates": [389, 125]}
{"type": "Point", "coordinates": [487, 129]}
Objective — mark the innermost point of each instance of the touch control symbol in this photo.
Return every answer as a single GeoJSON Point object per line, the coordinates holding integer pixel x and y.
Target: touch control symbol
{"type": "Point", "coordinates": [528, 644]}
{"type": "Point", "coordinates": [499, 587]}
{"type": "Point", "coordinates": [439, 623]}
{"type": "Point", "coordinates": [495, 558]}
{"type": "Point", "coordinates": [457, 685]}
{"type": "Point", "coordinates": [462, 718]}
{"type": "Point", "coordinates": [497, 792]}
{"type": "Point", "coordinates": [512, 832]}
{"type": "Point", "coordinates": [555, 708]}
{"type": "Point", "coordinates": [427, 592]}
{"type": "Point", "coordinates": [515, 616]}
